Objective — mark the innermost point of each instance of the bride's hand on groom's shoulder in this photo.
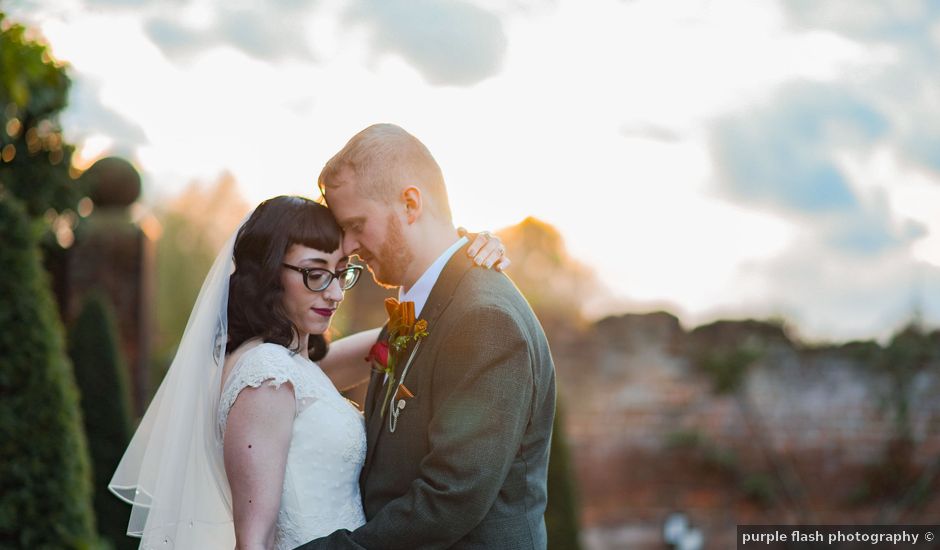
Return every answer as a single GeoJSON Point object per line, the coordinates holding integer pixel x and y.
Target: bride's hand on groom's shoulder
{"type": "Point", "coordinates": [486, 249]}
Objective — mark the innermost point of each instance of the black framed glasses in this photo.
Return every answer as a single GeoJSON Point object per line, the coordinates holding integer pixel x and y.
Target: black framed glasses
{"type": "Point", "coordinates": [318, 279]}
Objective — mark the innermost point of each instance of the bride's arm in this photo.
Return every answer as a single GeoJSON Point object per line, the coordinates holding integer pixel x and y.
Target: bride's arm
{"type": "Point", "coordinates": [257, 437]}
{"type": "Point", "coordinates": [345, 362]}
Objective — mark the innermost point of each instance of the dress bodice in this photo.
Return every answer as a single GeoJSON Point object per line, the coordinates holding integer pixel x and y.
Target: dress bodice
{"type": "Point", "coordinates": [327, 448]}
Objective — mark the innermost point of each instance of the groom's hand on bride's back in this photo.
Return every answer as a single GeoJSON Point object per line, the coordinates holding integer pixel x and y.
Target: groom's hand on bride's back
{"type": "Point", "coordinates": [486, 249]}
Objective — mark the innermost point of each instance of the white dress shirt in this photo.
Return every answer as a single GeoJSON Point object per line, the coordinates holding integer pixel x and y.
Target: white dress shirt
{"type": "Point", "coordinates": [419, 292]}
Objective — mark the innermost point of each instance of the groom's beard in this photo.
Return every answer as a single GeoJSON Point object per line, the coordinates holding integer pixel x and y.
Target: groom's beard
{"type": "Point", "coordinates": [389, 265]}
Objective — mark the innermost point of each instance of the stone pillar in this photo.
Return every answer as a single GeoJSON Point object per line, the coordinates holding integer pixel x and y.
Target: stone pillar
{"type": "Point", "coordinates": [114, 254]}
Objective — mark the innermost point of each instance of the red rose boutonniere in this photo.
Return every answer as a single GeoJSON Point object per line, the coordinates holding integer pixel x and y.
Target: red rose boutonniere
{"type": "Point", "coordinates": [379, 354]}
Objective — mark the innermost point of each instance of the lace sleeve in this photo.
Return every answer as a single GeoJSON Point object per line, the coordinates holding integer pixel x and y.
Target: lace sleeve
{"type": "Point", "coordinates": [266, 363]}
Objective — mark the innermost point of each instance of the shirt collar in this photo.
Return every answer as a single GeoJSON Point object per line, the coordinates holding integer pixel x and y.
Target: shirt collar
{"type": "Point", "coordinates": [419, 292]}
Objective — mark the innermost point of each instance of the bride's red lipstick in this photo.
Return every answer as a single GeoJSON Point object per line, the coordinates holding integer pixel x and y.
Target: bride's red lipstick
{"type": "Point", "coordinates": [324, 312]}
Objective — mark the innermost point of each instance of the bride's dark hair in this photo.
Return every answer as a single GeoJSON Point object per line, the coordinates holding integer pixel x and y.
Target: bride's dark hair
{"type": "Point", "coordinates": [255, 308]}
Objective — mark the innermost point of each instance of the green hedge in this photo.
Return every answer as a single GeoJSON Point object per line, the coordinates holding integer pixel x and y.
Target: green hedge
{"type": "Point", "coordinates": [561, 513]}
{"type": "Point", "coordinates": [102, 381]}
{"type": "Point", "coordinates": [45, 494]}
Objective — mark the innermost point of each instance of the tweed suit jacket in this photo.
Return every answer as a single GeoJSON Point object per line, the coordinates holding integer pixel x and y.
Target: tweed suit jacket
{"type": "Point", "coordinates": [467, 464]}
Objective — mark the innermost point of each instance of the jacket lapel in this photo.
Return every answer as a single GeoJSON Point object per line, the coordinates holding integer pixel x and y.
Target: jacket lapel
{"type": "Point", "coordinates": [440, 297]}
{"type": "Point", "coordinates": [443, 291]}
{"type": "Point", "coordinates": [375, 382]}
{"type": "Point", "coordinates": [373, 423]}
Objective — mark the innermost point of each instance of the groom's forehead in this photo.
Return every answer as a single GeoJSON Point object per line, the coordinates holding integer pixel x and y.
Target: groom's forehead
{"type": "Point", "coordinates": [345, 177]}
{"type": "Point", "coordinates": [346, 199]}
{"type": "Point", "coordinates": [352, 208]}
{"type": "Point", "coordinates": [335, 182]}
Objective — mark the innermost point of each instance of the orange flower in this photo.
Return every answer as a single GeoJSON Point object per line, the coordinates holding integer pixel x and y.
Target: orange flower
{"type": "Point", "coordinates": [407, 314]}
{"type": "Point", "coordinates": [391, 306]}
{"type": "Point", "coordinates": [394, 314]}
{"type": "Point", "coordinates": [401, 316]}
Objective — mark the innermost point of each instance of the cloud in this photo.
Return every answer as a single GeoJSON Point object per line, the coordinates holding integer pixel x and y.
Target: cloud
{"type": "Point", "coordinates": [896, 21]}
{"type": "Point", "coordinates": [87, 114]}
{"type": "Point", "coordinates": [922, 141]}
{"type": "Point", "coordinates": [66, 6]}
{"type": "Point", "coordinates": [870, 231]}
{"type": "Point", "coordinates": [264, 35]}
{"type": "Point", "coordinates": [905, 89]}
{"type": "Point", "coordinates": [851, 268]}
{"type": "Point", "coordinates": [120, 3]}
{"type": "Point", "coordinates": [174, 39]}
{"type": "Point", "coordinates": [265, 32]}
{"type": "Point", "coordinates": [783, 155]}
{"type": "Point", "coordinates": [827, 296]}
{"type": "Point", "coordinates": [450, 43]}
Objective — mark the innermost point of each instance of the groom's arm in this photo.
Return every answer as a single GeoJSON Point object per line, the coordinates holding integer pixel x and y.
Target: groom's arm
{"type": "Point", "coordinates": [345, 362]}
{"type": "Point", "coordinates": [483, 383]}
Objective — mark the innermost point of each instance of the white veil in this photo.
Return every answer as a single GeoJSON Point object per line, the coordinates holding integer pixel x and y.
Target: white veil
{"type": "Point", "coordinates": [172, 472]}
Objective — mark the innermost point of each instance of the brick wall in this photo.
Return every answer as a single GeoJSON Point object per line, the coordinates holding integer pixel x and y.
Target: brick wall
{"type": "Point", "coordinates": [798, 442]}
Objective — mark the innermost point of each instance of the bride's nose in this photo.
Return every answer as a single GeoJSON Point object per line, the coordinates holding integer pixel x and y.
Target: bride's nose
{"type": "Point", "coordinates": [333, 291]}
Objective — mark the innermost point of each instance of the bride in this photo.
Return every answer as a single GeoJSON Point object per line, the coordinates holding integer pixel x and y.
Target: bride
{"type": "Point", "coordinates": [248, 443]}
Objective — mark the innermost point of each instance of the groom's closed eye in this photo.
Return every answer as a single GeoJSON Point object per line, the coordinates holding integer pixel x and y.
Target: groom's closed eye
{"type": "Point", "coordinates": [354, 225]}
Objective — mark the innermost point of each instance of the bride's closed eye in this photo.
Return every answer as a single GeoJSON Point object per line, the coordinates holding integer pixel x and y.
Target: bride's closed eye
{"type": "Point", "coordinates": [317, 278]}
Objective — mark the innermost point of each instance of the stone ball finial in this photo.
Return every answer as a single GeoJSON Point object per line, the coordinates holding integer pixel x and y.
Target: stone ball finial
{"type": "Point", "coordinates": [112, 182]}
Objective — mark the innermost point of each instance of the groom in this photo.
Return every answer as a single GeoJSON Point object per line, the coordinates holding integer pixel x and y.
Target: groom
{"type": "Point", "coordinates": [463, 463]}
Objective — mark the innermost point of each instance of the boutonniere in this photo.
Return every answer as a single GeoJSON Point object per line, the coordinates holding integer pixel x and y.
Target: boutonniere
{"type": "Point", "coordinates": [386, 355]}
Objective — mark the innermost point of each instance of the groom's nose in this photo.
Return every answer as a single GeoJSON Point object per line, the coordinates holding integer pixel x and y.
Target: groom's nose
{"type": "Point", "coordinates": [350, 245]}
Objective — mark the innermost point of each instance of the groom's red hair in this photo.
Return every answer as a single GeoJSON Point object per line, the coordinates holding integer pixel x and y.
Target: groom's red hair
{"type": "Point", "coordinates": [384, 159]}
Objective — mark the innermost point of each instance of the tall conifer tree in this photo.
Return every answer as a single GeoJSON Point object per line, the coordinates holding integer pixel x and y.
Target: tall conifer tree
{"type": "Point", "coordinates": [45, 493]}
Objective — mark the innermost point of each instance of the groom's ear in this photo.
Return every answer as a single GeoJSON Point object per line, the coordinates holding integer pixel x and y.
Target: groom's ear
{"type": "Point", "coordinates": [411, 196]}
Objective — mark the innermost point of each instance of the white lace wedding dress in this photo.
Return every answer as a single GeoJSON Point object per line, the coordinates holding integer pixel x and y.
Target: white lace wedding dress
{"type": "Point", "coordinates": [327, 449]}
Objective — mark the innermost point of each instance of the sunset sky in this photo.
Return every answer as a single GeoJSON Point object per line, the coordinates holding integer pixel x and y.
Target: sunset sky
{"type": "Point", "coordinates": [718, 158]}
